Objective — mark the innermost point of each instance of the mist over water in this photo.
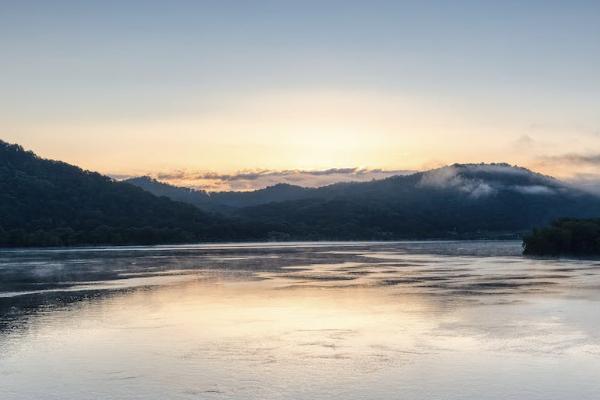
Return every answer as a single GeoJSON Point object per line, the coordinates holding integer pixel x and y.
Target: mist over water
{"type": "Point", "coordinates": [411, 320]}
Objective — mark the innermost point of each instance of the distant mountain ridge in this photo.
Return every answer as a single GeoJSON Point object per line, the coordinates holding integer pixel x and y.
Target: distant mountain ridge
{"type": "Point", "coordinates": [51, 203]}
{"type": "Point", "coordinates": [221, 201]}
{"type": "Point", "coordinates": [460, 200]}
{"type": "Point", "coordinates": [194, 197]}
{"type": "Point", "coordinates": [473, 179]}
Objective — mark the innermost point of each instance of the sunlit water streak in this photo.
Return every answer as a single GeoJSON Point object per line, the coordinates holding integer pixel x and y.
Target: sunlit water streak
{"type": "Point", "coordinates": [411, 320]}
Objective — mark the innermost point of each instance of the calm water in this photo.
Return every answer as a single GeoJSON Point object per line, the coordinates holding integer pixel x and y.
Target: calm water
{"type": "Point", "coordinates": [413, 320]}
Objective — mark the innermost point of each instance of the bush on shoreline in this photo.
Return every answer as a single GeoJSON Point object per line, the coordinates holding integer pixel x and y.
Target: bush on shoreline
{"type": "Point", "coordinates": [565, 237]}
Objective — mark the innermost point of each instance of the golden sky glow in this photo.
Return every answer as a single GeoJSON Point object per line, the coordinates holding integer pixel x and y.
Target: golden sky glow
{"type": "Point", "coordinates": [277, 86]}
{"type": "Point", "coordinates": [309, 130]}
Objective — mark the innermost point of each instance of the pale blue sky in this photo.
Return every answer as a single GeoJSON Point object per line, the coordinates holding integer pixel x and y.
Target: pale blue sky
{"type": "Point", "coordinates": [85, 81]}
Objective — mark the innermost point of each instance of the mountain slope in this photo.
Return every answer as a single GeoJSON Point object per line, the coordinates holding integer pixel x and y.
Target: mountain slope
{"type": "Point", "coordinates": [272, 194]}
{"type": "Point", "coordinates": [198, 198]}
{"type": "Point", "coordinates": [44, 202]}
{"type": "Point", "coordinates": [221, 201]}
{"type": "Point", "coordinates": [461, 200]}
{"type": "Point", "coordinates": [474, 200]}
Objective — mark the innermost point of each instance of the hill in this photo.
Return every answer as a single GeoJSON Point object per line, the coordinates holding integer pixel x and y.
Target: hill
{"type": "Point", "coordinates": [221, 201]}
{"type": "Point", "coordinates": [45, 202]}
{"type": "Point", "coordinates": [197, 198]}
{"type": "Point", "coordinates": [457, 201]}
{"type": "Point", "coordinates": [578, 237]}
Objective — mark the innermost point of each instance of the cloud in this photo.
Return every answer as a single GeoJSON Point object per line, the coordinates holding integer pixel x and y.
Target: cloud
{"type": "Point", "coordinates": [565, 128]}
{"type": "Point", "coordinates": [257, 179]}
{"type": "Point", "coordinates": [451, 178]}
{"type": "Point", "coordinates": [573, 158]}
{"type": "Point", "coordinates": [533, 189]}
{"type": "Point", "coordinates": [480, 189]}
{"type": "Point", "coordinates": [523, 142]}
{"type": "Point", "coordinates": [589, 182]}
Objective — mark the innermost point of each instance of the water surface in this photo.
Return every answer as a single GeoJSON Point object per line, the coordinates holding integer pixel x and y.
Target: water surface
{"type": "Point", "coordinates": [411, 320]}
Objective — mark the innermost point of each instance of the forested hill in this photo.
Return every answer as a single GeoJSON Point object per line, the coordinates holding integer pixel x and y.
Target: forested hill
{"type": "Point", "coordinates": [457, 201]}
{"type": "Point", "coordinates": [222, 201]}
{"type": "Point", "coordinates": [565, 237]}
{"type": "Point", "coordinates": [197, 198]}
{"type": "Point", "coordinates": [44, 202]}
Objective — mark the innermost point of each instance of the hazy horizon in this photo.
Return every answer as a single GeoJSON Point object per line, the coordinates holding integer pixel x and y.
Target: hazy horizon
{"type": "Point", "coordinates": [256, 179]}
{"type": "Point", "coordinates": [261, 179]}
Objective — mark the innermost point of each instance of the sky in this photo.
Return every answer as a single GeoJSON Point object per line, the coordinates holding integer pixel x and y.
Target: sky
{"type": "Point", "coordinates": [240, 94]}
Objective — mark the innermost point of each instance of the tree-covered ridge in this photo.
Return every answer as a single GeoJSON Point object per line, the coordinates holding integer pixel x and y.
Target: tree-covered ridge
{"type": "Point", "coordinates": [45, 202]}
{"type": "Point", "coordinates": [565, 237]}
{"type": "Point", "coordinates": [222, 201]}
{"type": "Point", "coordinates": [51, 203]}
{"type": "Point", "coordinates": [474, 180]}
{"type": "Point", "coordinates": [457, 201]}
{"type": "Point", "coordinates": [198, 198]}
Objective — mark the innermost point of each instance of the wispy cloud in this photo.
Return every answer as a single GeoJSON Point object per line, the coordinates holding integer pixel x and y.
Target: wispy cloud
{"type": "Point", "coordinates": [589, 182]}
{"type": "Point", "coordinates": [565, 128]}
{"type": "Point", "coordinates": [573, 158]}
{"type": "Point", "coordinates": [523, 142]}
{"type": "Point", "coordinates": [451, 177]}
{"type": "Point", "coordinates": [533, 189]}
{"type": "Point", "coordinates": [257, 179]}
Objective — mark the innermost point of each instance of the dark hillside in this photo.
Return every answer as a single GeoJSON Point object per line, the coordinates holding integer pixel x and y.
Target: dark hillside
{"type": "Point", "coordinates": [45, 202]}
